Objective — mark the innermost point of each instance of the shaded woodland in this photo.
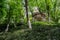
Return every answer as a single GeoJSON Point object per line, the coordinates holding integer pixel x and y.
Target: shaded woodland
{"type": "Point", "coordinates": [29, 20]}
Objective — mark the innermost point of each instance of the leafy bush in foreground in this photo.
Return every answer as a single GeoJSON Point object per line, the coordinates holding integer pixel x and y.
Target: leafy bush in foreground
{"type": "Point", "coordinates": [37, 33]}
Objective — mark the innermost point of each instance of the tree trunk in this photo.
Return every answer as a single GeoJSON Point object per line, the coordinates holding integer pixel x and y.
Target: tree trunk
{"type": "Point", "coordinates": [48, 10]}
{"type": "Point", "coordinates": [6, 30]}
{"type": "Point", "coordinates": [28, 20]}
{"type": "Point", "coordinates": [55, 5]}
{"type": "Point", "coordinates": [8, 19]}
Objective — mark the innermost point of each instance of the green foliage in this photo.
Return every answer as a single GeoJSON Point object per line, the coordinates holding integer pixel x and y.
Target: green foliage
{"type": "Point", "coordinates": [51, 6]}
{"type": "Point", "coordinates": [40, 32]}
{"type": "Point", "coordinates": [43, 23]}
{"type": "Point", "coordinates": [11, 9]}
{"type": "Point", "coordinates": [14, 8]}
{"type": "Point", "coordinates": [3, 11]}
{"type": "Point", "coordinates": [38, 3]}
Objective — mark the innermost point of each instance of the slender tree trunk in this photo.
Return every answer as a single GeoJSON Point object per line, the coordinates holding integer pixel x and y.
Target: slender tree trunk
{"type": "Point", "coordinates": [8, 23]}
{"type": "Point", "coordinates": [8, 20]}
{"type": "Point", "coordinates": [55, 5]}
{"type": "Point", "coordinates": [48, 15]}
{"type": "Point", "coordinates": [48, 10]}
{"type": "Point", "coordinates": [6, 30]}
{"type": "Point", "coordinates": [28, 20]}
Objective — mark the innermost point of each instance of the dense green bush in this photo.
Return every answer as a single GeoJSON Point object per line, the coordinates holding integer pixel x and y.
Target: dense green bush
{"type": "Point", "coordinates": [38, 32]}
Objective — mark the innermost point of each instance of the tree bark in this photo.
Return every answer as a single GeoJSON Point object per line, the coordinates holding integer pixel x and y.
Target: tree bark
{"type": "Point", "coordinates": [28, 20]}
